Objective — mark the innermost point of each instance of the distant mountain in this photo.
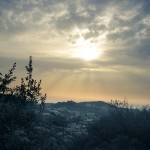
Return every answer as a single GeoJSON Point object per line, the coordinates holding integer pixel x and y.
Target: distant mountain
{"type": "Point", "coordinates": [92, 107]}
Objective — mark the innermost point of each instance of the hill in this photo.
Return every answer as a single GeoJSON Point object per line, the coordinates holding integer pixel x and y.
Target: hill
{"type": "Point", "coordinates": [96, 107]}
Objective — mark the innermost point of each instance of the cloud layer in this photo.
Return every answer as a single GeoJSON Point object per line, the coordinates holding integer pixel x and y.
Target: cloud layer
{"type": "Point", "coordinates": [49, 29]}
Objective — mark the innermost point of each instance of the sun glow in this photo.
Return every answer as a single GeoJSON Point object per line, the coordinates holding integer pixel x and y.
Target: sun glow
{"type": "Point", "coordinates": [86, 50]}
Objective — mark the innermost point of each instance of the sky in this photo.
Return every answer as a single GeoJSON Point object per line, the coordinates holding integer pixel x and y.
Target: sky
{"type": "Point", "coordinates": [82, 49]}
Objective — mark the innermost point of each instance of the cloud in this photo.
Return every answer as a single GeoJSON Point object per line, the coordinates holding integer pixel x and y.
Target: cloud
{"type": "Point", "coordinates": [46, 20]}
{"type": "Point", "coordinates": [49, 29]}
{"type": "Point", "coordinates": [99, 17]}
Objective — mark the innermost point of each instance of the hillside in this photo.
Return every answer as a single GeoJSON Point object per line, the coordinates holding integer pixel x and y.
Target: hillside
{"type": "Point", "coordinates": [96, 107]}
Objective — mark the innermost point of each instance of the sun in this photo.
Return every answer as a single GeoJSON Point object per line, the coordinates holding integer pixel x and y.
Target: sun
{"type": "Point", "coordinates": [87, 53]}
{"type": "Point", "coordinates": [86, 50]}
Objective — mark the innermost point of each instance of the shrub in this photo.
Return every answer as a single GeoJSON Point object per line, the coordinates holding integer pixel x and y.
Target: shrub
{"type": "Point", "coordinates": [29, 90]}
{"type": "Point", "coordinates": [125, 128]}
{"type": "Point", "coordinates": [20, 112]}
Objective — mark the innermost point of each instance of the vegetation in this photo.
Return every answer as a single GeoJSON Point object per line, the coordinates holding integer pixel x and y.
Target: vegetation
{"type": "Point", "coordinates": [6, 80]}
{"type": "Point", "coordinates": [29, 90]}
{"type": "Point", "coordinates": [125, 128]}
{"type": "Point", "coordinates": [26, 125]}
{"type": "Point", "coordinates": [21, 112]}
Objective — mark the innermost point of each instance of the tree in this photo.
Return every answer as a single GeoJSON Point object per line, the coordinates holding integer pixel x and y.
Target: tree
{"type": "Point", "coordinates": [7, 80]}
{"type": "Point", "coordinates": [21, 124]}
{"type": "Point", "coordinates": [30, 89]}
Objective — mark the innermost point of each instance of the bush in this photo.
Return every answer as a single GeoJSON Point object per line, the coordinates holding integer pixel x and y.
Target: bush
{"type": "Point", "coordinates": [125, 128]}
{"type": "Point", "coordinates": [20, 111]}
{"type": "Point", "coordinates": [29, 90]}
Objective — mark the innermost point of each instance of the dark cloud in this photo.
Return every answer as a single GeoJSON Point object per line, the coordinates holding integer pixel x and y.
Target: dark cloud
{"type": "Point", "coordinates": [124, 35]}
{"type": "Point", "coordinates": [143, 49]}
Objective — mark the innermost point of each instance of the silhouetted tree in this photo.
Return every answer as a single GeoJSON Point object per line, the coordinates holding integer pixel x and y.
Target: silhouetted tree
{"type": "Point", "coordinates": [120, 104]}
{"type": "Point", "coordinates": [30, 89]}
{"type": "Point", "coordinates": [20, 117]}
{"type": "Point", "coordinates": [6, 80]}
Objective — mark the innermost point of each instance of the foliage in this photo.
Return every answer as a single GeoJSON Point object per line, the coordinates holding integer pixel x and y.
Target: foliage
{"type": "Point", "coordinates": [29, 90]}
{"type": "Point", "coordinates": [22, 123]}
{"type": "Point", "coordinates": [24, 126]}
{"type": "Point", "coordinates": [120, 104]}
{"type": "Point", "coordinates": [18, 109]}
{"type": "Point", "coordinates": [125, 128]}
{"type": "Point", "coordinates": [6, 80]}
